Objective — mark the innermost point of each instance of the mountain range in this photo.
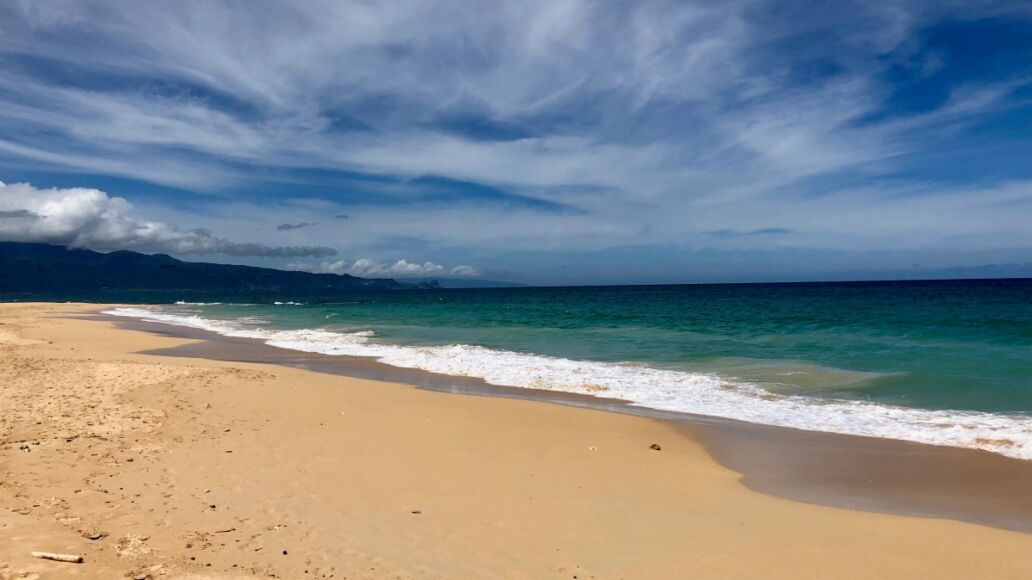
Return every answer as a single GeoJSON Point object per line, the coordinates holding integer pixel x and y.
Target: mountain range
{"type": "Point", "coordinates": [44, 271]}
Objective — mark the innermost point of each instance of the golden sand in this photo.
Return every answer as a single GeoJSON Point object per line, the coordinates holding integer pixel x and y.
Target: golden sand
{"type": "Point", "coordinates": [167, 467]}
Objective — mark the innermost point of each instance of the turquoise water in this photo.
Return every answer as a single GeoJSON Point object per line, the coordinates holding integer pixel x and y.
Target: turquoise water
{"type": "Point", "coordinates": [836, 355]}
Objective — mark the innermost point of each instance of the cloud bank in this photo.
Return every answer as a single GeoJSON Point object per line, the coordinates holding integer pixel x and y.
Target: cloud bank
{"type": "Point", "coordinates": [89, 218]}
{"type": "Point", "coordinates": [367, 268]}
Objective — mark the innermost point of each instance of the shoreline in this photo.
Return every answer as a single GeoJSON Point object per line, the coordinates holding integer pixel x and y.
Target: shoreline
{"type": "Point", "coordinates": [759, 392]}
{"type": "Point", "coordinates": [879, 475]}
{"type": "Point", "coordinates": [377, 479]}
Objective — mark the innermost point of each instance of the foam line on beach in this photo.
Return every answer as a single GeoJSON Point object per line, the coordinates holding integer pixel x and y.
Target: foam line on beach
{"type": "Point", "coordinates": [669, 390]}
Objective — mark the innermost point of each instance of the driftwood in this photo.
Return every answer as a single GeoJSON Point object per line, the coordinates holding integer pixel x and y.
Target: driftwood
{"type": "Point", "coordinates": [72, 558]}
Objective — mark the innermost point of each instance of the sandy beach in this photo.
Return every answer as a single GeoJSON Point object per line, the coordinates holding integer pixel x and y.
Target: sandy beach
{"type": "Point", "coordinates": [177, 467]}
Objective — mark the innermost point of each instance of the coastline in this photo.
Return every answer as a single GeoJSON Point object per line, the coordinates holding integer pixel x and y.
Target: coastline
{"type": "Point", "coordinates": [324, 473]}
{"type": "Point", "coordinates": [864, 473]}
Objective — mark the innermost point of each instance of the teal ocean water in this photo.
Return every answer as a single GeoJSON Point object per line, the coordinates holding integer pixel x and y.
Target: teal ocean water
{"type": "Point", "coordinates": [946, 363]}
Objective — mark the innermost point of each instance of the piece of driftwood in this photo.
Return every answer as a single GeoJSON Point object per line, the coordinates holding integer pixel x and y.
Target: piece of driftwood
{"type": "Point", "coordinates": [72, 558]}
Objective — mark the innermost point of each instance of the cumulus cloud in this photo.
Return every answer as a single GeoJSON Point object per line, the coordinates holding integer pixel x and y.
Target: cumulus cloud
{"type": "Point", "coordinates": [18, 213]}
{"type": "Point", "coordinates": [90, 218]}
{"type": "Point", "coordinates": [464, 272]}
{"type": "Point", "coordinates": [367, 268]}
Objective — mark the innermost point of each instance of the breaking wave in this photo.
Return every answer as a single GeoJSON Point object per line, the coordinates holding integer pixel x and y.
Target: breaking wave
{"type": "Point", "coordinates": [663, 389]}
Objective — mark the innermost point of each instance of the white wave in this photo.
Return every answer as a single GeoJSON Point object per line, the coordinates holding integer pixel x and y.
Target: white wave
{"type": "Point", "coordinates": [670, 390]}
{"type": "Point", "coordinates": [184, 303]}
{"type": "Point", "coordinates": [288, 303]}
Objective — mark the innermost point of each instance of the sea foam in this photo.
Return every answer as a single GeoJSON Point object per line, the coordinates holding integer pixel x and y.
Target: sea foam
{"type": "Point", "coordinates": [185, 303]}
{"type": "Point", "coordinates": [662, 389]}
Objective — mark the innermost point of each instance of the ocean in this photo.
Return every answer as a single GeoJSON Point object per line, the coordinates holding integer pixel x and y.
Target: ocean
{"type": "Point", "coordinates": [938, 362]}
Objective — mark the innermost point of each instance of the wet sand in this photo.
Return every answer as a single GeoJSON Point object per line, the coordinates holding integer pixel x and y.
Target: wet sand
{"type": "Point", "coordinates": [880, 475]}
{"type": "Point", "coordinates": [159, 466]}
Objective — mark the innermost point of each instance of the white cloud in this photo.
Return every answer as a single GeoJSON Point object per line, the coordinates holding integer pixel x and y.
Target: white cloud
{"type": "Point", "coordinates": [367, 268]}
{"type": "Point", "coordinates": [703, 116]}
{"type": "Point", "coordinates": [90, 218]}
{"type": "Point", "coordinates": [295, 69]}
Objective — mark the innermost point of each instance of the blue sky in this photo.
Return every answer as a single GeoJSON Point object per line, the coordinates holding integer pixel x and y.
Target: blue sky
{"type": "Point", "coordinates": [548, 142]}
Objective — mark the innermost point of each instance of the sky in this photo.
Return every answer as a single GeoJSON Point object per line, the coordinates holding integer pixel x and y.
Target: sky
{"type": "Point", "coordinates": [553, 142]}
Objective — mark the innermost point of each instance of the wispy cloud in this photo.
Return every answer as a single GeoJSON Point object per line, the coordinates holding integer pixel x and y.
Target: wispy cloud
{"type": "Point", "coordinates": [757, 232]}
{"type": "Point", "coordinates": [291, 94]}
{"type": "Point", "coordinates": [704, 124]}
{"type": "Point", "coordinates": [297, 226]}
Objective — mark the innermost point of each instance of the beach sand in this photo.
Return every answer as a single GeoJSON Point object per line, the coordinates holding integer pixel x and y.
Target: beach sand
{"type": "Point", "coordinates": [154, 466]}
